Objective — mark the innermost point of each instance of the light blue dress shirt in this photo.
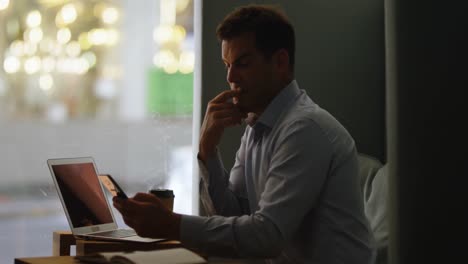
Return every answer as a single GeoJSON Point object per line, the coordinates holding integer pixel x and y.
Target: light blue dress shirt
{"type": "Point", "coordinates": [293, 194]}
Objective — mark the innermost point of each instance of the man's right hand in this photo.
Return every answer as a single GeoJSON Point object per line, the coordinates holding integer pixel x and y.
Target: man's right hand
{"type": "Point", "coordinates": [220, 114]}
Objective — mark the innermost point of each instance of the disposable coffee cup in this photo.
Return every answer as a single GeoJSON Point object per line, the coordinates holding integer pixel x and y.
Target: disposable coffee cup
{"type": "Point", "coordinates": [166, 196]}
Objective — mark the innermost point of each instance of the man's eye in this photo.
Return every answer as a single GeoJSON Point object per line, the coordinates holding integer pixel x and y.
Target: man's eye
{"type": "Point", "coordinates": [242, 64]}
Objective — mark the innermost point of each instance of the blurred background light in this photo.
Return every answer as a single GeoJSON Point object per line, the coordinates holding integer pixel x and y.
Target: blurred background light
{"type": "Point", "coordinates": [73, 49]}
{"type": "Point", "coordinates": [32, 65]}
{"type": "Point", "coordinates": [163, 58]}
{"type": "Point", "coordinates": [46, 82]}
{"type": "Point", "coordinates": [33, 34]}
{"type": "Point", "coordinates": [98, 9]}
{"type": "Point", "coordinates": [46, 45]}
{"type": "Point", "coordinates": [33, 19]}
{"type": "Point", "coordinates": [29, 48]}
{"type": "Point", "coordinates": [57, 49]}
{"type": "Point", "coordinates": [112, 37]}
{"type": "Point", "coordinates": [57, 112]}
{"type": "Point", "coordinates": [17, 48]}
{"type": "Point", "coordinates": [4, 4]}
{"type": "Point", "coordinates": [72, 65]}
{"type": "Point", "coordinates": [181, 5]}
{"type": "Point", "coordinates": [63, 35]}
{"type": "Point", "coordinates": [162, 34]}
{"type": "Point", "coordinates": [48, 64]}
{"type": "Point", "coordinates": [111, 71]}
{"type": "Point", "coordinates": [167, 12]}
{"type": "Point", "coordinates": [171, 38]}
{"type": "Point", "coordinates": [105, 88]}
{"type": "Point", "coordinates": [171, 68]}
{"type": "Point", "coordinates": [62, 65]}
{"type": "Point", "coordinates": [178, 33]}
{"type": "Point", "coordinates": [80, 66]}
{"type": "Point", "coordinates": [84, 41]}
{"type": "Point", "coordinates": [97, 36]}
{"type": "Point", "coordinates": [90, 57]}
{"type": "Point", "coordinates": [110, 15]}
{"type": "Point", "coordinates": [68, 14]}
{"type": "Point", "coordinates": [11, 64]}
{"type": "Point", "coordinates": [186, 62]}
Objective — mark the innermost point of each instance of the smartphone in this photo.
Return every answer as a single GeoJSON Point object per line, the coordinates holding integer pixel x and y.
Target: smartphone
{"type": "Point", "coordinates": [112, 186]}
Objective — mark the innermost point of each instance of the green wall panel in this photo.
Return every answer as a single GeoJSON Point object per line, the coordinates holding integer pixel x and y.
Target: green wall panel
{"type": "Point", "coordinates": [169, 94]}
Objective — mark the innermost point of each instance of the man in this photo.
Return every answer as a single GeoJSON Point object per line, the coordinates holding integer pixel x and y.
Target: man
{"type": "Point", "coordinates": [293, 195]}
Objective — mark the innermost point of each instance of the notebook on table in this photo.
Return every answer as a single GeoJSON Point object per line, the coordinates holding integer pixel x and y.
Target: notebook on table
{"type": "Point", "coordinates": [85, 203]}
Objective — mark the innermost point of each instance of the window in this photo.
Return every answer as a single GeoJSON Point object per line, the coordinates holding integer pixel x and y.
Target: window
{"type": "Point", "coordinates": [108, 79]}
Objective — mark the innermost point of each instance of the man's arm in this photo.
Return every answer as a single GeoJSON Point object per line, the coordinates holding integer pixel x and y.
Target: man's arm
{"type": "Point", "coordinates": [226, 193]}
{"type": "Point", "coordinates": [221, 113]}
{"type": "Point", "coordinates": [299, 166]}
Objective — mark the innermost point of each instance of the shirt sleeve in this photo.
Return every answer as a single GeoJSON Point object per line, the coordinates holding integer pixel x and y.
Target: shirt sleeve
{"type": "Point", "coordinates": [298, 170]}
{"type": "Point", "coordinates": [227, 194]}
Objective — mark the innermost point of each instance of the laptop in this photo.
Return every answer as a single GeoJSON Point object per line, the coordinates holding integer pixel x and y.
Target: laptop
{"type": "Point", "coordinates": [85, 203]}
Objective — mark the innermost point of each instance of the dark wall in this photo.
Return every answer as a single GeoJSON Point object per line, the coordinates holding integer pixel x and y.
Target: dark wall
{"type": "Point", "coordinates": [427, 79]}
{"type": "Point", "coordinates": [339, 61]}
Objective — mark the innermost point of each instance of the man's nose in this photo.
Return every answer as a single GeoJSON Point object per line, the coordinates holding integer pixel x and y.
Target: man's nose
{"type": "Point", "coordinates": [232, 75]}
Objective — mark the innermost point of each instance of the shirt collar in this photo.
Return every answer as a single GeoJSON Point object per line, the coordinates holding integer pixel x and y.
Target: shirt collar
{"type": "Point", "coordinates": [281, 101]}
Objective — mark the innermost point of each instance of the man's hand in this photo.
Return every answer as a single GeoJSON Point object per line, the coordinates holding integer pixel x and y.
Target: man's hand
{"type": "Point", "coordinates": [220, 114]}
{"type": "Point", "coordinates": [148, 216]}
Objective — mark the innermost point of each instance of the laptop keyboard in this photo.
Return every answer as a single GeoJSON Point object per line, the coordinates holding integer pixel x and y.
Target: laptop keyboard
{"type": "Point", "coordinates": [117, 233]}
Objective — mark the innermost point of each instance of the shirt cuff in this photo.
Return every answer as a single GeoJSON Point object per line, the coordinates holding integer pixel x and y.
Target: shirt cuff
{"type": "Point", "coordinates": [191, 230]}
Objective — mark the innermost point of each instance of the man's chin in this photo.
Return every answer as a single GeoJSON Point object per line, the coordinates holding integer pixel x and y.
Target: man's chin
{"type": "Point", "coordinates": [241, 107]}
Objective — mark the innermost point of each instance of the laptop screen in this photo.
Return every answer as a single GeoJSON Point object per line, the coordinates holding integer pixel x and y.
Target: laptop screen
{"type": "Point", "coordinates": [82, 194]}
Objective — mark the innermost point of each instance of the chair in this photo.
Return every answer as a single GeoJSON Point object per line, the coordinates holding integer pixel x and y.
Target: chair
{"type": "Point", "coordinates": [368, 167]}
{"type": "Point", "coordinates": [374, 185]}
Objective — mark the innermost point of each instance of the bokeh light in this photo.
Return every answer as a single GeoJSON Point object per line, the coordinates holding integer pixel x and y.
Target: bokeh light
{"type": "Point", "coordinates": [11, 64]}
{"type": "Point", "coordinates": [33, 19]}
{"type": "Point", "coordinates": [63, 35]}
{"type": "Point", "coordinates": [46, 82]}
{"type": "Point", "coordinates": [32, 65]}
{"type": "Point", "coordinates": [4, 4]}
{"type": "Point", "coordinates": [110, 15]}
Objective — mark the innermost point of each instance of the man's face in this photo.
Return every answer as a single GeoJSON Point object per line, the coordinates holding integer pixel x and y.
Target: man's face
{"type": "Point", "coordinates": [250, 72]}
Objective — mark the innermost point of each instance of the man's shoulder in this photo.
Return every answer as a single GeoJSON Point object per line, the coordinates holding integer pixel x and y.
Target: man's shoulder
{"type": "Point", "coordinates": [305, 114]}
{"type": "Point", "coordinates": [305, 111]}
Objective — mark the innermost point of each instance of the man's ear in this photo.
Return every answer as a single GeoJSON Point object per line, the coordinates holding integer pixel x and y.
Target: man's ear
{"type": "Point", "coordinates": [281, 58]}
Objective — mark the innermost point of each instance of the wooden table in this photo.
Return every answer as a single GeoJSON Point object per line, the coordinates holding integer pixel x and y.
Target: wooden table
{"type": "Point", "coordinates": [70, 260]}
{"type": "Point", "coordinates": [62, 241]}
{"type": "Point", "coordinates": [46, 260]}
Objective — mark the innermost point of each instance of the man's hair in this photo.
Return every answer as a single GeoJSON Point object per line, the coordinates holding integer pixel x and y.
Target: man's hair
{"type": "Point", "coordinates": [270, 26]}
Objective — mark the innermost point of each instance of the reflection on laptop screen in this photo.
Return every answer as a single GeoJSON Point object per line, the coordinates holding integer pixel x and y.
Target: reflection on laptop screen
{"type": "Point", "coordinates": [82, 194]}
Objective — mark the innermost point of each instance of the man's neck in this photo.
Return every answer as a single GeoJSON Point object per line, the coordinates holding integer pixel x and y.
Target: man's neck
{"type": "Point", "coordinates": [283, 84]}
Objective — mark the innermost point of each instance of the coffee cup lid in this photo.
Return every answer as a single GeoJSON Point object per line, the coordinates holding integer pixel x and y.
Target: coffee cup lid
{"type": "Point", "coordinates": [163, 193]}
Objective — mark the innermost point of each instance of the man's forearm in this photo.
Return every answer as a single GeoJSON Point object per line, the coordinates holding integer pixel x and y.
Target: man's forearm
{"type": "Point", "coordinates": [215, 183]}
{"type": "Point", "coordinates": [203, 154]}
{"type": "Point", "coordinates": [174, 227]}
